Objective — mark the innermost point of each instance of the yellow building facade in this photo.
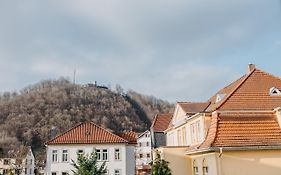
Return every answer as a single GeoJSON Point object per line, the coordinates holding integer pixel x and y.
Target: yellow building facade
{"type": "Point", "coordinates": [236, 132]}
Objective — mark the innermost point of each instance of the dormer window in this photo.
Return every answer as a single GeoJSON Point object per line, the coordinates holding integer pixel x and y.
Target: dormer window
{"type": "Point", "coordinates": [274, 92]}
{"type": "Point", "coordinates": [219, 97]}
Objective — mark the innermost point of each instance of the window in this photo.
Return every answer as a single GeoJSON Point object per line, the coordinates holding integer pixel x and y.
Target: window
{"type": "Point", "coordinates": [98, 152]}
{"type": "Point", "coordinates": [195, 168]}
{"type": "Point", "coordinates": [80, 152]}
{"type": "Point", "coordinates": [148, 155]}
{"type": "Point", "coordinates": [193, 135]}
{"type": "Point", "coordinates": [54, 173]}
{"type": "Point", "coordinates": [198, 131]}
{"type": "Point", "coordinates": [141, 156]}
{"type": "Point", "coordinates": [64, 155]}
{"type": "Point", "coordinates": [104, 154]}
{"type": "Point", "coordinates": [64, 173]}
{"type": "Point", "coordinates": [140, 144]}
{"type": "Point", "coordinates": [117, 154]}
{"type": "Point", "coordinates": [184, 136]}
{"type": "Point", "coordinates": [219, 97]}
{"type": "Point", "coordinates": [30, 171]}
{"type": "Point", "coordinates": [179, 137]}
{"type": "Point", "coordinates": [205, 168]}
{"type": "Point", "coordinates": [30, 162]}
{"type": "Point", "coordinates": [117, 172]}
{"type": "Point", "coordinates": [147, 144]}
{"type": "Point", "coordinates": [55, 156]}
{"type": "Point", "coordinates": [274, 91]}
{"type": "Point", "coordinates": [6, 161]}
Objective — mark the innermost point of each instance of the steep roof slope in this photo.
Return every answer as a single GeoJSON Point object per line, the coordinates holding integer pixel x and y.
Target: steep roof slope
{"type": "Point", "coordinates": [87, 133]}
{"type": "Point", "coordinates": [243, 129]}
{"type": "Point", "coordinates": [250, 92]}
{"type": "Point", "coordinates": [161, 122]}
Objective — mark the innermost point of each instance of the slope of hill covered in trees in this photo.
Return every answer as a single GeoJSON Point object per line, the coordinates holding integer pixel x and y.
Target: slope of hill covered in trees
{"type": "Point", "coordinates": [31, 116]}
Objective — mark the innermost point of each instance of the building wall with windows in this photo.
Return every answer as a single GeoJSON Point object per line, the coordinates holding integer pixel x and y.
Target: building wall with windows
{"type": "Point", "coordinates": [59, 157]}
{"type": "Point", "coordinates": [191, 132]}
{"type": "Point", "coordinates": [143, 150]}
{"type": "Point", "coordinates": [24, 165]}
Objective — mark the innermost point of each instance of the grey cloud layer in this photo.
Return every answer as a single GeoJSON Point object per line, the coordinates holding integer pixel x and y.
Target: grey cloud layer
{"type": "Point", "coordinates": [177, 50]}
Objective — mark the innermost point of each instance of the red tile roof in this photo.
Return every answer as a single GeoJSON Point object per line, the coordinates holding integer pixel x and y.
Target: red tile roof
{"type": "Point", "coordinates": [161, 122]}
{"type": "Point", "coordinates": [87, 133]}
{"type": "Point", "coordinates": [130, 136]}
{"type": "Point", "coordinates": [250, 92]}
{"type": "Point", "coordinates": [240, 129]}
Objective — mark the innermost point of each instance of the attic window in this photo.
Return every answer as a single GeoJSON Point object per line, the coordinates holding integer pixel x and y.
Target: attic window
{"type": "Point", "coordinates": [274, 92]}
{"type": "Point", "coordinates": [219, 97]}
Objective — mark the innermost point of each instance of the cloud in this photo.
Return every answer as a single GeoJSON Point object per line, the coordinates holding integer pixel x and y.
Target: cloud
{"type": "Point", "coordinates": [176, 50]}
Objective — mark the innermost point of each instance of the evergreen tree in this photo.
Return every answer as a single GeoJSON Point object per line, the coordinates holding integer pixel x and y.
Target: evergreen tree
{"type": "Point", "coordinates": [87, 165]}
{"type": "Point", "coordinates": [160, 166]}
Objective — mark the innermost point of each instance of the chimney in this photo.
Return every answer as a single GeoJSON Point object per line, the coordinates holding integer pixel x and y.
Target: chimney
{"type": "Point", "coordinates": [251, 67]}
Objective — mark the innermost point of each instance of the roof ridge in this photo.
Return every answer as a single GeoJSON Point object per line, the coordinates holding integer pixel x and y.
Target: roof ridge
{"type": "Point", "coordinates": [235, 89]}
{"type": "Point", "coordinates": [81, 123]}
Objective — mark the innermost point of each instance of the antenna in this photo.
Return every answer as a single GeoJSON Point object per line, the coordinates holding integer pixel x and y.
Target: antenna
{"type": "Point", "coordinates": [74, 76]}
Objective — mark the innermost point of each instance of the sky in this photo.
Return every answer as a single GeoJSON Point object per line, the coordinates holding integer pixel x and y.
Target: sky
{"type": "Point", "coordinates": [176, 50]}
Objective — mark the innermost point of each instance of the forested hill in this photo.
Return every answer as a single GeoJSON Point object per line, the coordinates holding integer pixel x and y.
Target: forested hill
{"type": "Point", "coordinates": [50, 107]}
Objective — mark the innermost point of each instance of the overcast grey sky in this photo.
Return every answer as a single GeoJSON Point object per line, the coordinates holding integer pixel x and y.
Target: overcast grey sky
{"type": "Point", "coordinates": [178, 50]}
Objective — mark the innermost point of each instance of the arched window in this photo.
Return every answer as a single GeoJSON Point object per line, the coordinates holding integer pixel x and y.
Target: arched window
{"type": "Point", "coordinates": [205, 167]}
{"type": "Point", "coordinates": [195, 168]}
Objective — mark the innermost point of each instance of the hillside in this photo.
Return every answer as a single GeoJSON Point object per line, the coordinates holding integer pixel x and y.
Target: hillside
{"type": "Point", "coordinates": [50, 107]}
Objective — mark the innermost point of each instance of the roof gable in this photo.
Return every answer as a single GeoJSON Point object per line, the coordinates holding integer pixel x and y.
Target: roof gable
{"type": "Point", "coordinates": [250, 92]}
{"type": "Point", "coordinates": [87, 133]}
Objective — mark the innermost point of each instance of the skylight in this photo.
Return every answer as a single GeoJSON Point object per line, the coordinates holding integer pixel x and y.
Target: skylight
{"type": "Point", "coordinates": [274, 92]}
{"type": "Point", "coordinates": [219, 97]}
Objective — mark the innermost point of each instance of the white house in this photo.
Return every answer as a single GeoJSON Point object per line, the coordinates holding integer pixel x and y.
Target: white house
{"type": "Point", "coordinates": [117, 150]}
{"type": "Point", "coordinates": [20, 163]}
{"type": "Point", "coordinates": [143, 152]}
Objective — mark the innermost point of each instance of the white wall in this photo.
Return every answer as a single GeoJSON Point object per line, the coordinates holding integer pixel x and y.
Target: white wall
{"type": "Point", "coordinates": [143, 149]}
{"type": "Point", "coordinates": [111, 164]}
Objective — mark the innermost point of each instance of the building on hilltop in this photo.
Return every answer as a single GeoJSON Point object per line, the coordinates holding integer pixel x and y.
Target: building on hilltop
{"type": "Point", "coordinates": [117, 150]}
{"type": "Point", "coordinates": [21, 162]}
{"type": "Point", "coordinates": [237, 131]}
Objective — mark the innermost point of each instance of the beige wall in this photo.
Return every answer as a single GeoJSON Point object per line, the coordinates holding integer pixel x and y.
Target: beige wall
{"type": "Point", "coordinates": [210, 160]}
{"type": "Point", "coordinates": [240, 162]}
{"type": "Point", "coordinates": [180, 164]}
{"type": "Point", "coordinates": [251, 162]}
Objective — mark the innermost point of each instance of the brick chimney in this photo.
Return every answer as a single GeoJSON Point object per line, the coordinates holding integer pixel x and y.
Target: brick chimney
{"type": "Point", "coordinates": [251, 67]}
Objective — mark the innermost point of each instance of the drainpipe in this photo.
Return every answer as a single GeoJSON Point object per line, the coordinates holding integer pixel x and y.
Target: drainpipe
{"type": "Point", "coordinates": [220, 172]}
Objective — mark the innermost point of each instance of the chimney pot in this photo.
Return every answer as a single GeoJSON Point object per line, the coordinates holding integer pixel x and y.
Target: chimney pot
{"type": "Point", "coordinates": [251, 67]}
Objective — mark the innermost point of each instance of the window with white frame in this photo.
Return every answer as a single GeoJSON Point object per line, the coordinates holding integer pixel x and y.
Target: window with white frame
{"type": "Point", "coordinates": [104, 154]}
{"type": "Point", "coordinates": [64, 155]}
{"type": "Point", "coordinates": [193, 135]}
{"type": "Point", "coordinates": [179, 137]}
{"type": "Point", "coordinates": [98, 152]}
{"type": "Point", "coordinates": [184, 136]}
{"type": "Point", "coordinates": [55, 156]}
{"type": "Point", "coordinates": [117, 155]}
{"type": "Point", "coordinates": [198, 128]}
{"type": "Point", "coordinates": [80, 152]}
{"type": "Point", "coordinates": [117, 172]}
{"type": "Point", "coordinates": [54, 173]}
{"type": "Point", "coordinates": [205, 167]}
{"type": "Point", "coordinates": [195, 168]}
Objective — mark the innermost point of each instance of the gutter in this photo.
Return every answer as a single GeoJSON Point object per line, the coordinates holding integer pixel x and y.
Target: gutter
{"type": "Point", "coordinates": [242, 148]}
